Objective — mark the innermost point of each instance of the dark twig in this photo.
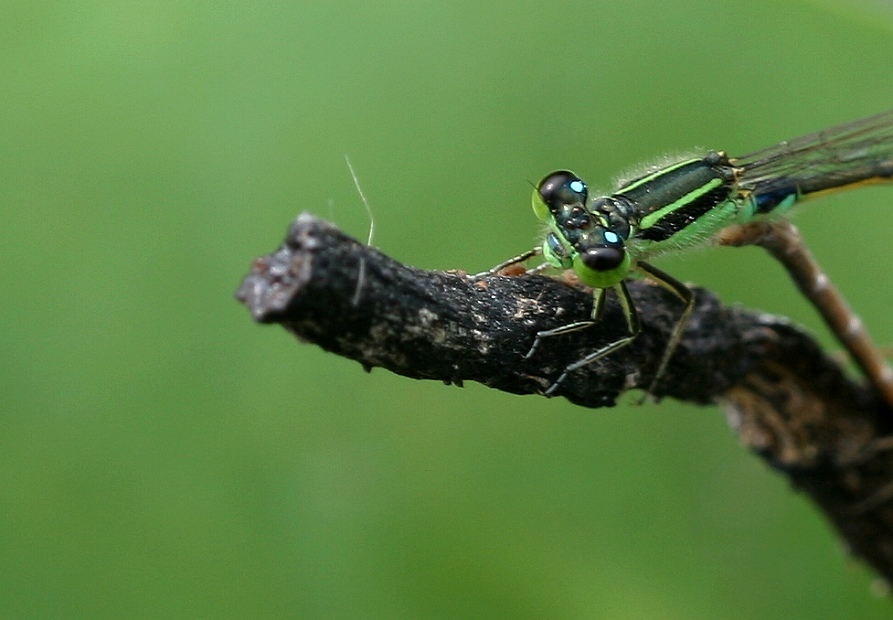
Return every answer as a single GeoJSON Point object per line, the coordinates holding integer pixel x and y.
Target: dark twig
{"type": "Point", "coordinates": [783, 396]}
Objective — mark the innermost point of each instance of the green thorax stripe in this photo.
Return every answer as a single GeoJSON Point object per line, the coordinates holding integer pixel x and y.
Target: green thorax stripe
{"type": "Point", "coordinates": [690, 198]}
{"type": "Point", "coordinates": [657, 174]}
{"type": "Point", "coordinates": [669, 200]}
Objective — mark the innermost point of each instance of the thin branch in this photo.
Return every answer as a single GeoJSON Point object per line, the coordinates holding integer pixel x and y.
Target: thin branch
{"type": "Point", "coordinates": [784, 397]}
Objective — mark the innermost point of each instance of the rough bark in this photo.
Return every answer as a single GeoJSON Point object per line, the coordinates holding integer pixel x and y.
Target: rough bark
{"type": "Point", "coordinates": [787, 400]}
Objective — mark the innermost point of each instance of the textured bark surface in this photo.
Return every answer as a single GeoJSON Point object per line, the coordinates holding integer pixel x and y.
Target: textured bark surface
{"type": "Point", "coordinates": [784, 397]}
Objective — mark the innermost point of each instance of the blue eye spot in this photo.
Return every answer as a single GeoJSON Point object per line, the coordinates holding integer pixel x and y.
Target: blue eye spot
{"type": "Point", "coordinates": [577, 186]}
{"type": "Point", "coordinates": [612, 237]}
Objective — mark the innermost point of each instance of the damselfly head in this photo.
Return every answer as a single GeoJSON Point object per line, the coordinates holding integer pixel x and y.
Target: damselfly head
{"type": "Point", "coordinates": [558, 192]}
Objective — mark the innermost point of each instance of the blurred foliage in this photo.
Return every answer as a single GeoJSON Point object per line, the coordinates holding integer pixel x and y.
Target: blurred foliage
{"type": "Point", "coordinates": [163, 457]}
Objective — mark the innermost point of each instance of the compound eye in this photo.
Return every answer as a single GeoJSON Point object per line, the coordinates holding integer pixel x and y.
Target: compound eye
{"type": "Point", "coordinates": [562, 188]}
{"type": "Point", "coordinates": [603, 258]}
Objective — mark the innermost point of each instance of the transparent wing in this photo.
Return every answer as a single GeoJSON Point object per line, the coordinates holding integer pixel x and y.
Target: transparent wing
{"type": "Point", "coordinates": [849, 154]}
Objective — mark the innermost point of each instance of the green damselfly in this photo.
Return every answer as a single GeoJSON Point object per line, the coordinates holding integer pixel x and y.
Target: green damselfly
{"type": "Point", "coordinates": [712, 199]}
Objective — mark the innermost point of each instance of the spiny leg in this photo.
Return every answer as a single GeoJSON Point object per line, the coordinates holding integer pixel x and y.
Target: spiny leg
{"type": "Point", "coordinates": [682, 292]}
{"type": "Point", "coordinates": [783, 241]}
{"type": "Point", "coordinates": [632, 322]}
{"type": "Point", "coordinates": [598, 304]}
{"type": "Point", "coordinates": [515, 260]}
{"type": "Point", "coordinates": [671, 284]}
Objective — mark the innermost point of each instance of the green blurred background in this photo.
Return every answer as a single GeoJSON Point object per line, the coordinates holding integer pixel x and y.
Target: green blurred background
{"type": "Point", "coordinates": [161, 456]}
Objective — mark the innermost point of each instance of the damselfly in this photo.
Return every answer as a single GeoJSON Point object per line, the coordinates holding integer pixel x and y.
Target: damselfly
{"type": "Point", "coordinates": [711, 199]}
